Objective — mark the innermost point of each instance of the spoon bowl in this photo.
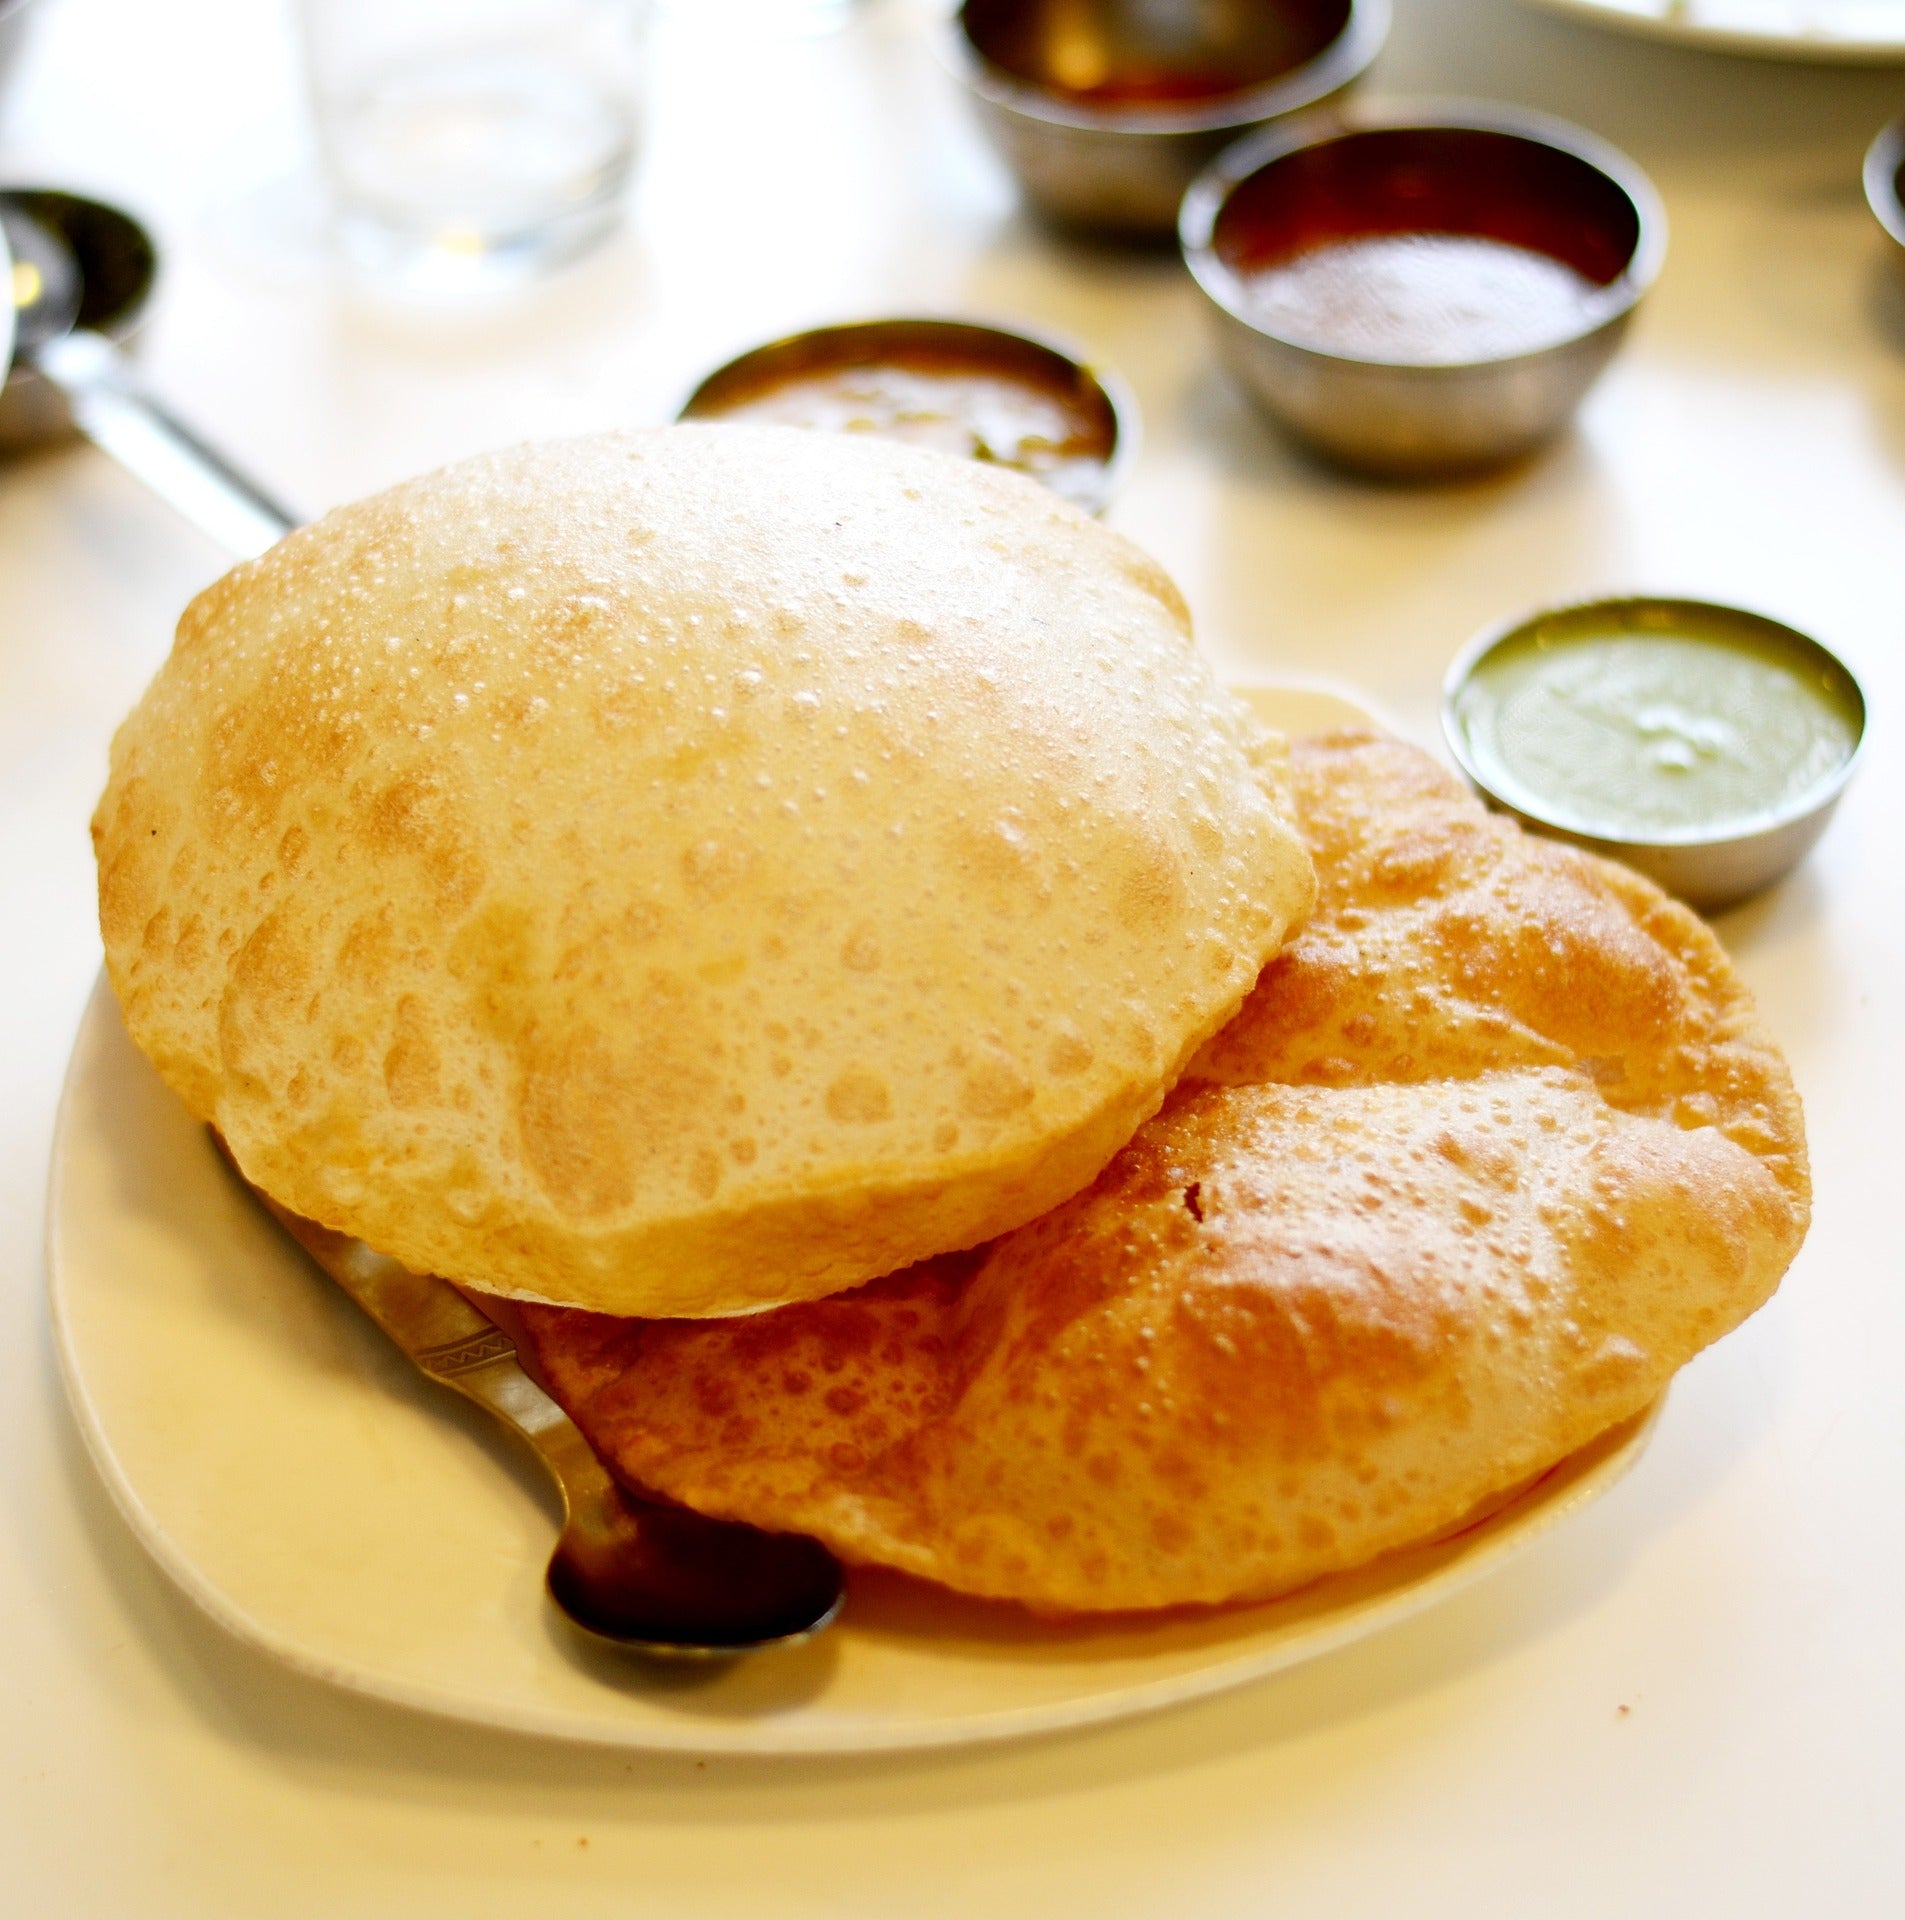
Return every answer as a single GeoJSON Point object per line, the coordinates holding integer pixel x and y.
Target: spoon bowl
{"type": "Point", "coordinates": [46, 281]}
{"type": "Point", "coordinates": [1885, 181]}
{"type": "Point", "coordinates": [117, 268]}
{"type": "Point", "coordinates": [668, 1582]}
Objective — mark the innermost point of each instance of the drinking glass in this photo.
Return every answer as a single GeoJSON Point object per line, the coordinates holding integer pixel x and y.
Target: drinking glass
{"type": "Point", "coordinates": [475, 140]}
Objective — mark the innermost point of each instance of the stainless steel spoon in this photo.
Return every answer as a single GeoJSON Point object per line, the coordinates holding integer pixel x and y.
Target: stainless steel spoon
{"type": "Point", "coordinates": [647, 1577]}
{"type": "Point", "coordinates": [110, 407]}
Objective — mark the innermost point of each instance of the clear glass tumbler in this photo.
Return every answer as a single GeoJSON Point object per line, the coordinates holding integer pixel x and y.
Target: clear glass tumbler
{"type": "Point", "coordinates": [475, 140]}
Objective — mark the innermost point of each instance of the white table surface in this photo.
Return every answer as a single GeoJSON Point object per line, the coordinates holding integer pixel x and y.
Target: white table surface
{"type": "Point", "coordinates": [1690, 1703]}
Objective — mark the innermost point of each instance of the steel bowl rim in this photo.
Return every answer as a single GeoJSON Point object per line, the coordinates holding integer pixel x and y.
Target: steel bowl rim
{"type": "Point", "coordinates": [1883, 159]}
{"type": "Point", "coordinates": [1208, 194]}
{"type": "Point", "coordinates": [1817, 800]}
{"type": "Point", "coordinates": [1336, 65]}
{"type": "Point", "coordinates": [1127, 426]}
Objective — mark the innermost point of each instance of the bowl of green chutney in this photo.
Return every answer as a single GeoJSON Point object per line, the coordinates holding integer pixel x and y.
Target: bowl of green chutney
{"type": "Point", "coordinates": [1703, 745]}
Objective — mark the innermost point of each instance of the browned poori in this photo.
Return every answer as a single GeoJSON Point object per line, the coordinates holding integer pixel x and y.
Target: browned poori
{"type": "Point", "coordinates": [1495, 1146]}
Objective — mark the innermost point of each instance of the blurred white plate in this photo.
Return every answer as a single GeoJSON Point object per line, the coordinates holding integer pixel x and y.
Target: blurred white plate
{"type": "Point", "coordinates": [329, 1506]}
{"type": "Point", "coordinates": [1857, 32]}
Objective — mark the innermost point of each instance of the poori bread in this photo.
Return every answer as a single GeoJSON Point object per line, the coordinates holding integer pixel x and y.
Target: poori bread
{"type": "Point", "coordinates": [1494, 1147]}
{"type": "Point", "coordinates": [681, 872]}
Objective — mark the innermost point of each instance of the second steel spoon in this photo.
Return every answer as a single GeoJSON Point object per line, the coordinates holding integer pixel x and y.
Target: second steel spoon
{"type": "Point", "coordinates": [110, 407]}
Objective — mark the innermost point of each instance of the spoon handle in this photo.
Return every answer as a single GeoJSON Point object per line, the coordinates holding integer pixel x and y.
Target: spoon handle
{"type": "Point", "coordinates": [456, 1345]}
{"type": "Point", "coordinates": [657, 1580]}
{"type": "Point", "coordinates": [109, 407]}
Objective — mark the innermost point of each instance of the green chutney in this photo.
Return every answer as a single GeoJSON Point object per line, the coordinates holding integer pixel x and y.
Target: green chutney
{"type": "Point", "coordinates": [1657, 721]}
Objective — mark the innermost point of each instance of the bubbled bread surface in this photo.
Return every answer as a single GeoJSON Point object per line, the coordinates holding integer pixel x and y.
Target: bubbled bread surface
{"type": "Point", "coordinates": [678, 872]}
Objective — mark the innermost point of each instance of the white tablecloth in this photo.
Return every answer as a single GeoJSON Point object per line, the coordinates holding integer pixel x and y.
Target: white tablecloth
{"type": "Point", "coordinates": [1687, 1703]}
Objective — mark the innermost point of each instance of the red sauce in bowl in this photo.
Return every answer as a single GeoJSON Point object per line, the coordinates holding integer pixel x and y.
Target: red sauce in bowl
{"type": "Point", "coordinates": [1426, 246]}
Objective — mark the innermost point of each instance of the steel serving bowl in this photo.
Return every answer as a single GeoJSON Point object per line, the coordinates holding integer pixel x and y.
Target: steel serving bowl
{"type": "Point", "coordinates": [1107, 109]}
{"type": "Point", "coordinates": [1710, 871]}
{"type": "Point", "coordinates": [1058, 368]}
{"type": "Point", "coordinates": [1471, 169]}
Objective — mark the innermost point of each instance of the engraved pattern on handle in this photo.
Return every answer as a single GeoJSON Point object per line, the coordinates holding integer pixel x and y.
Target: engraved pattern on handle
{"type": "Point", "coordinates": [463, 1356]}
{"type": "Point", "coordinates": [452, 1341]}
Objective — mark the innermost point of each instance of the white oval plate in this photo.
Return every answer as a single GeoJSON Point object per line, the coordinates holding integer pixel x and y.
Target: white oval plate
{"type": "Point", "coordinates": [332, 1508]}
{"type": "Point", "coordinates": [1852, 32]}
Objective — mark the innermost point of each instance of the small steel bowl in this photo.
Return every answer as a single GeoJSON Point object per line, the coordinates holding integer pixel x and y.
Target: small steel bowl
{"type": "Point", "coordinates": [1471, 169]}
{"type": "Point", "coordinates": [1101, 403]}
{"type": "Point", "coordinates": [1885, 179]}
{"type": "Point", "coordinates": [1708, 871]}
{"type": "Point", "coordinates": [118, 266]}
{"type": "Point", "coordinates": [1107, 109]}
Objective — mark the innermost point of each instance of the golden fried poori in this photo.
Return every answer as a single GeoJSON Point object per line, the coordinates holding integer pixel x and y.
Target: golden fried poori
{"type": "Point", "coordinates": [687, 871]}
{"type": "Point", "coordinates": [1493, 1148]}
